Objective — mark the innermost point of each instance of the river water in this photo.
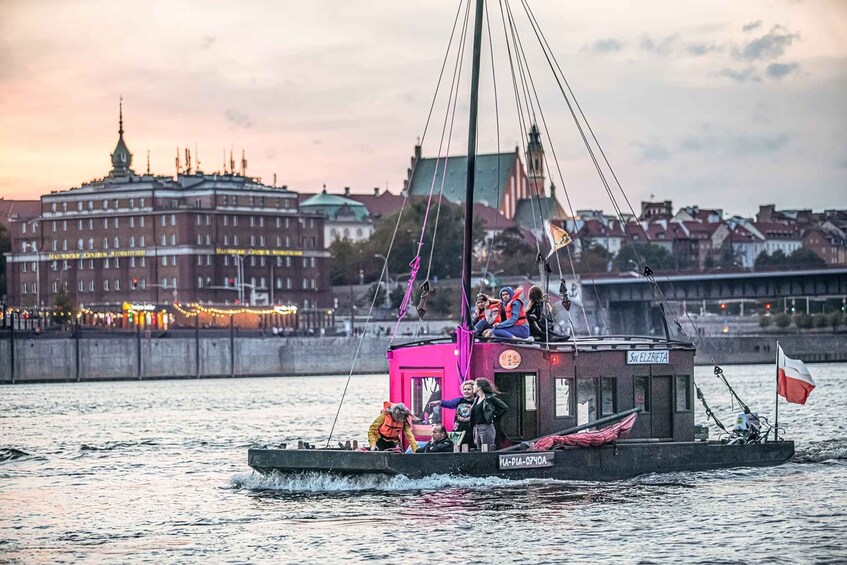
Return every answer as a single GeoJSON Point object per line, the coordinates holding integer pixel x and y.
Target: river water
{"type": "Point", "coordinates": [153, 472]}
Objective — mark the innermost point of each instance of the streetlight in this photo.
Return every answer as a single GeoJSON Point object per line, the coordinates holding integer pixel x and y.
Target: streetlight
{"type": "Point", "coordinates": [387, 277]}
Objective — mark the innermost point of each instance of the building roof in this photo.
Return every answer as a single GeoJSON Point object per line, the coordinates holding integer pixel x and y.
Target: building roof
{"type": "Point", "coordinates": [335, 207]}
{"type": "Point", "coordinates": [490, 181]}
{"type": "Point", "coordinates": [528, 208]}
{"type": "Point", "coordinates": [379, 205]}
{"type": "Point", "coordinates": [18, 209]}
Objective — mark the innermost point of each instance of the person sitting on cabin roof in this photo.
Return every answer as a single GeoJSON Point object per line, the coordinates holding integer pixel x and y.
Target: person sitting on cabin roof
{"type": "Point", "coordinates": [462, 405]}
{"type": "Point", "coordinates": [486, 313]}
{"type": "Point", "coordinates": [539, 314]}
{"type": "Point", "coordinates": [394, 420]}
{"type": "Point", "coordinates": [439, 443]}
{"type": "Point", "coordinates": [512, 315]}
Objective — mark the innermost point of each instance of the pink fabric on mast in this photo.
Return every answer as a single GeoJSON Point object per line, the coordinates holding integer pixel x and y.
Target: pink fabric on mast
{"type": "Point", "coordinates": [464, 341]}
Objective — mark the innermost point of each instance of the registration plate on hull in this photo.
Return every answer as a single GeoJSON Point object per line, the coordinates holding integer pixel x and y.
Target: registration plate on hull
{"type": "Point", "coordinates": [527, 460]}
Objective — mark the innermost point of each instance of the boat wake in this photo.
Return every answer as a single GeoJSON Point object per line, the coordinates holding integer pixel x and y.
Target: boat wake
{"type": "Point", "coordinates": [821, 451]}
{"type": "Point", "coordinates": [12, 454]}
{"type": "Point", "coordinates": [326, 483]}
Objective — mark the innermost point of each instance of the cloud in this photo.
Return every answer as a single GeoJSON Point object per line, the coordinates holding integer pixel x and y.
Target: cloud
{"type": "Point", "coordinates": [698, 50]}
{"type": "Point", "coordinates": [237, 118]}
{"type": "Point", "coordinates": [660, 46]}
{"type": "Point", "coordinates": [603, 46]}
{"type": "Point", "coordinates": [752, 25]}
{"type": "Point", "coordinates": [743, 75]}
{"type": "Point", "coordinates": [779, 70]}
{"type": "Point", "coordinates": [769, 46]}
{"type": "Point", "coordinates": [207, 41]}
{"type": "Point", "coordinates": [691, 144]}
{"type": "Point", "coordinates": [652, 152]}
{"type": "Point", "coordinates": [745, 144]}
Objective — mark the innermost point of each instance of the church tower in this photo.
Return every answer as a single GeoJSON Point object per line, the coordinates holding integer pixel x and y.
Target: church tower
{"type": "Point", "coordinates": [535, 163]}
{"type": "Point", "coordinates": [121, 157]}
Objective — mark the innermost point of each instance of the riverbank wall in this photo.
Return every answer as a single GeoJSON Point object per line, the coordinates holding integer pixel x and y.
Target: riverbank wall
{"type": "Point", "coordinates": [64, 359]}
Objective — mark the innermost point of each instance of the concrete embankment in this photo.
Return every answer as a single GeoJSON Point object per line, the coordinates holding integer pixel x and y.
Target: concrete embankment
{"type": "Point", "coordinates": [41, 359]}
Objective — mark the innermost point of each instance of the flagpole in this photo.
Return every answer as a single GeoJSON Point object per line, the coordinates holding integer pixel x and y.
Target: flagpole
{"type": "Point", "coordinates": [776, 398]}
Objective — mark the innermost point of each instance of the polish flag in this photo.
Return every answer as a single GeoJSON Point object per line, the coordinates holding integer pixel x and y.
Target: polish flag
{"type": "Point", "coordinates": [793, 380]}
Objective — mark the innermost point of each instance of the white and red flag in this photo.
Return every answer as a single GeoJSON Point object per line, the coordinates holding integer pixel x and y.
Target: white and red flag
{"type": "Point", "coordinates": [793, 380]}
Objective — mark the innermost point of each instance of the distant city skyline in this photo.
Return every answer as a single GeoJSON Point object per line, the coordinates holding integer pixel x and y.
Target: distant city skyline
{"type": "Point", "coordinates": [718, 104]}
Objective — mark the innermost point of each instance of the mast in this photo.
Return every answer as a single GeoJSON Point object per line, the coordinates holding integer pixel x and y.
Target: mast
{"type": "Point", "coordinates": [467, 249]}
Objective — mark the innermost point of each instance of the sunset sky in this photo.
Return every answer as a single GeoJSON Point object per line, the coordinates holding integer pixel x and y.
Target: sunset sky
{"type": "Point", "coordinates": [719, 103]}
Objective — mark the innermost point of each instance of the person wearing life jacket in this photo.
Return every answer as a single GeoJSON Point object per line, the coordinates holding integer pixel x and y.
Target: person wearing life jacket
{"type": "Point", "coordinates": [512, 315]}
{"type": "Point", "coordinates": [486, 313]}
{"type": "Point", "coordinates": [385, 432]}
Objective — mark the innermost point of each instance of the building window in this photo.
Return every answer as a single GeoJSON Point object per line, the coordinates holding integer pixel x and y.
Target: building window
{"type": "Point", "coordinates": [132, 221]}
{"type": "Point", "coordinates": [106, 285]}
{"type": "Point", "coordinates": [199, 282]}
{"type": "Point", "coordinates": [141, 221]}
{"type": "Point", "coordinates": [279, 283]}
{"type": "Point", "coordinates": [173, 219]}
{"type": "Point", "coordinates": [132, 241]}
{"type": "Point", "coordinates": [199, 216]}
{"type": "Point", "coordinates": [106, 263]}
{"type": "Point", "coordinates": [91, 243]}
{"type": "Point", "coordinates": [305, 284]}
{"type": "Point", "coordinates": [164, 220]}
{"type": "Point", "coordinates": [117, 242]}
{"type": "Point", "coordinates": [91, 224]}
{"type": "Point", "coordinates": [252, 219]}
{"type": "Point", "coordinates": [226, 239]}
{"type": "Point", "coordinates": [252, 261]}
{"type": "Point", "coordinates": [288, 282]}
{"type": "Point", "coordinates": [117, 263]}
{"type": "Point", "coordinates": [79, 244]}
{"type": "Point", "coordinates": [105, 223]}
{"type": "Point", "coordinates": [164, 260]}
{"type": "Point", "coordinates": [91, 286]}
{"type": "Point", "coordinates": [199, 260]}
{"type": "Point", "coordinates": [173, 282]}
{"type": "Point", "coordinates": [165, 282]}
{"type": "Point", "coordinates": [261, 221]}
{"type": "Point", "coordinates": [608, 396]}
{"type": "Point", "coordinates": [117, 284]}
{"type": "Point", "coordinates": [132, 261]}
{"type": "Point", "coordinates": [261, 241]}
{"type": "Point", "coordinates": [164, 239]}
{"type": "Point", "coordinates": [252, 241]}
{"type": "Point", "coordinates": [105, 204]}
{"type": "Point", "coordinates": [261, 261]}
{"type": "Point", "coordinates": [23, 288]}
{"type": "Point", "coordinates": [208, 239]}
{"type": "Point", "coordinates": [235, 220]}
{"type": "Point", "coordinates": [226, 220]}
{"type": "Point", "coordinates": [208, 220]}
{"type": "Point", "coordinates": [278, 220]}
{"type": "Point", "coordinates": [117, 223]}
{"type": "Point", "coordinates": [586, 400]}
{"type": "Point", "coordinates": [64, 245]}
{"type": "Point", "coordinates": [55, 283]}
{"type": "Point", "coordinates": [208, 260]}
{"type": "Point", "coordinates": [55, 245]}
{"type": "Point", "coordinates": [235, 240]}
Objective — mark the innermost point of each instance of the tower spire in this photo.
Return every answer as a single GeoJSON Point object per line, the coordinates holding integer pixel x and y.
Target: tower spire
{"type": "Point", "coordinates": [121, 117]}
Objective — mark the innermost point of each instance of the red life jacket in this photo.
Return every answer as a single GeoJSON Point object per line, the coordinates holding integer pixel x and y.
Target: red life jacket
{"type": "Point", "coordinates": [506, 310]}
{"type": "Point", "coordinates": [390, 428]}
{"type": "Point", "coordinates": [494, 309]}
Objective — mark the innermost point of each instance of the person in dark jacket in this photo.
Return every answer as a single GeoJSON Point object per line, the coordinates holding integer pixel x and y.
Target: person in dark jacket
{"type": "Point", "coordinates": [439, 443]}
{"type": "Point", "coordinates": [487, 409]}
{"type": "Point", "coordinates": [540, 318]}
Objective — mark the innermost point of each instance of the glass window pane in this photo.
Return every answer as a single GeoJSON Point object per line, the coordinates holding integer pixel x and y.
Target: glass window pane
{"type": "Point", "coordinates": [682, 395]}
{"type": "Point", "coordinates": [608, 395]}
{"type": "Point", "coordinates": [564, 389]}
{"type": "Point", "coordinates": [424, 391]}
{"type": "Point", "coordinates": [586, 400]}
{"type": "Point", "coordinates": [529, 391]}
{"type": "Point", "coordinates": [642, 393]}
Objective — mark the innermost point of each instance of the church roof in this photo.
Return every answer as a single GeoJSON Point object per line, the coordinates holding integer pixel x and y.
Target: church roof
{"type": "Point", "coordinates": [491, 177]}
{"type": "Point", "coordinates": [333, 206]}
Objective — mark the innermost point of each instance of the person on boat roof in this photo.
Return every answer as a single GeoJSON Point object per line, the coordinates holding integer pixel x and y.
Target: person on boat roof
{"type": "Point", "coordinates": [485, 314]}
{"type": "Point", "coordinates": [394, 420]}
{"type": "Point", "coordinates": [439, 443]}
{"type": "Point", "coordinates": [539, 314]}
{"type": "Point", "coordinates": [512, 315]}
{"type": "Point", "coordinates": [462, 405]}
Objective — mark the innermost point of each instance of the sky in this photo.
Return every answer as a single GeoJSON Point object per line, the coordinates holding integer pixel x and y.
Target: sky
{"type": "Point", "coordinates": [722, 104]}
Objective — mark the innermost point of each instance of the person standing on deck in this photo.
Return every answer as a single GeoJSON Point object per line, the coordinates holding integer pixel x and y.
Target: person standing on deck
{"type": "Point", "coordinates": [394, 420]}
{"type": "Point", "coordinates": [512, 315]}
{"type": "Point", "coordinates": [487, 409]}
{"type": "Point", "coordinates": [462, 405]}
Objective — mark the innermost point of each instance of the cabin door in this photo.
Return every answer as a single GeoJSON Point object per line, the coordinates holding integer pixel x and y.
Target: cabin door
{"type": "Point", "coordinates": [519, 391]}
{"type": "Point", "coordinates": [662, 406]}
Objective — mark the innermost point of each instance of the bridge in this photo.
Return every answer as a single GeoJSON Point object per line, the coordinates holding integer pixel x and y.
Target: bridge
{"type": "Point", "coordinates": [632, 306]}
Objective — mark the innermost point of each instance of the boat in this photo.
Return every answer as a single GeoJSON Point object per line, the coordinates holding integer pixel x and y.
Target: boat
{"type": "Point", "coordinates": [644, 384]}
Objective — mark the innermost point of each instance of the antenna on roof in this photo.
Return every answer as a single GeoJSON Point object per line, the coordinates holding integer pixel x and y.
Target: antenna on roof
{"type": "Point", "coordinates": [196, 157]}
{"type": "Point", "coordinates": [187, 161]}
{"type": "Point", "coordinates": [224, 160]}
{"type": "Point", "coordinates": [243, 164]}
{"type": "Point", "coordinates": [177, 162]}
{"type": "Point", "coordinates": [148, 161]}
{"type": "Point", "coordinates": [274, 180]}
{"type": "Point", "coordinates": [231, 162]}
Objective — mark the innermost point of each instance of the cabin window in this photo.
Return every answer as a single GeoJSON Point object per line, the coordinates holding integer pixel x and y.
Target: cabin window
{"type": "Point", "coordinates": [608, 396]}
{"type": "Point", "coordinates": [564, 392]}
{"type": "Point", "coordinates": [586, 400]}
{"type": "Point", "coordinates": [642, 393]}
{"type": "Point", "coordinates": [424, 391]}
{"type": "Point", "coordinates": [530, 398]}
{"type": "Point", "coordinates": [683, 398]}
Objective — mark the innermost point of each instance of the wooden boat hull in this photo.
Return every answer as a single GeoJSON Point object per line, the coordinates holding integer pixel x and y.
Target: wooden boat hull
{"type": "Point", "coordinates": [605, 463]}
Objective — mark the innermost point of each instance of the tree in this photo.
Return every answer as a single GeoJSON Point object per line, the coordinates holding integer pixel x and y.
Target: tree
{"type": "Point", "coordinates": [777, 259]}
{"type": "Point", "coordinates": [782, 320]}
{"type": "Point", "coordinates": [835, 319]}
{"type": "Point", "coordinates": [346, 257]}
{"type": "Point", "coordinates": [803, 321]}
{"type": "Point", "coordinates": [594, 258]}
{"type": "Point", "coordinates": [655, 256]}
{"type": "Point", "coordinates": [512, 253]}
{"type": "Point", "coordinates": [449, 238]}
{"type": "Point", "coordinates": [803, 258]}
{"type": "Point", "coordinates": [5, 247]}
{"type": "Point", "coordinates": [63, 305]}
{"type": "Point", "coordinates": [820, 320]}
{"type": "Point", "coordinates": [765, 320]}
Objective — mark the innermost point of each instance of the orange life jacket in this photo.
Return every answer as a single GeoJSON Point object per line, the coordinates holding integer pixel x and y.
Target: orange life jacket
{"type": "Point", "coordinates": [494, 309]}
{"type": "Point", "coordinates": [390, 428]}
{"type": "Point", "coordinates": [506, 312]}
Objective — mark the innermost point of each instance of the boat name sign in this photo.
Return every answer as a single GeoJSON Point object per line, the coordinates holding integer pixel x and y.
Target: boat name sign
{"type": "Point", "coordinates": [655, 357]}
{"type": "Point", "coordinates": [527, 460]}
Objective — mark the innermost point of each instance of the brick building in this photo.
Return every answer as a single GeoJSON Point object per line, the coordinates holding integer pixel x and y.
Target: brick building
{"type": "Point", "coordinates": [209, 238]}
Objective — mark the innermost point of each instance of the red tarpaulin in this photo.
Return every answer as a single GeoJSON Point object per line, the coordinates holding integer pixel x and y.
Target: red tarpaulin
{"type": "Point", "coordinates": [587, 438]}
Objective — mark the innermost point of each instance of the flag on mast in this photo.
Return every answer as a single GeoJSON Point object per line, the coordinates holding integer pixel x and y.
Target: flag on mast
{"type": "Point", "coordinates": [558, 237]}
{"type": "Point", "coordinates": [793, 380]}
